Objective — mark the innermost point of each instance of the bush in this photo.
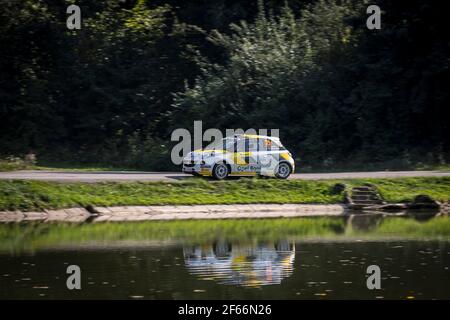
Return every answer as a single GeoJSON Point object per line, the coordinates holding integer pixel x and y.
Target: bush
{"type": "Point", "coordinates": [13, 163]}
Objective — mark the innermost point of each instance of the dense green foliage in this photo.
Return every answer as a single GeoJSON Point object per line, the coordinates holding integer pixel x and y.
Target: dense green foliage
{"type": "Point", "coordinates": [112, 92]}
{"type": "Point", "coordinates": [12, 164]}
{"type": "Point", "coordinates": [38, 195]}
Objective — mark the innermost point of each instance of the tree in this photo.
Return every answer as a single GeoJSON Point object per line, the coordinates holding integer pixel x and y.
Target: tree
{"type": "Point", "coordinates": [339, 93]}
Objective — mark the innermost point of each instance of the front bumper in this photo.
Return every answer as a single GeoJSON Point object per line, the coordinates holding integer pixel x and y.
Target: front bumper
{"type": "Point", "coordinates": [202, 169]}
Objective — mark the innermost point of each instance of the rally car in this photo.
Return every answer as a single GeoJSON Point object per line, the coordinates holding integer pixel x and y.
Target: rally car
{"type": "Point", "coordinates": [241, 155]}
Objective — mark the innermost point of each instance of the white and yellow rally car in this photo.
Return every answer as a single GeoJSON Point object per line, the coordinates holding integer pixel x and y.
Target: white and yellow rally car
{"type": "Point", "coordinates": [241, 155]}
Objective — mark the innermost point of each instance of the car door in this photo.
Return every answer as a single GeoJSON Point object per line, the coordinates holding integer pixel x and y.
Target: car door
{"type": "Point", "coordinates": [264, 154]}
{"type": "Point", "coordinates": [245, 156]}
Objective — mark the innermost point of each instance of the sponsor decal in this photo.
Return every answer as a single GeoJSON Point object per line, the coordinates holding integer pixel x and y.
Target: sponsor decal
{"type": "Point", "coordinates": [248, 168]}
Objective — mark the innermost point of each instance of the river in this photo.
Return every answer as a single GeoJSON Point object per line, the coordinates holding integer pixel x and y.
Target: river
{"type": "Point", "coordinates": [281, 266]}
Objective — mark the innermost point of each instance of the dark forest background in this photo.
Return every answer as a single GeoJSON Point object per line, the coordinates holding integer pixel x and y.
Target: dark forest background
{"type": "Point", "coordinates": [111, 93]}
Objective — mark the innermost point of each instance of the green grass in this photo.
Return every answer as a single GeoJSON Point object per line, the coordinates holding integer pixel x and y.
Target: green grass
{"type": "Point", "coordinates": [77, 169]}
{"type": "Point", "coordinates": [364, 166]}
{"type": "Point", "coordinates": [405, 189]}
{"type": "Point", "coordinates": [34, 236]}
{"type": "Point", "coordinates": [36, 195]}
{"type": "Point", "coordinates": [67, 167]}
{"type": "Point", "coordinates": [13, 164]}
{"type": "Point", "coordinates": [39, 195]}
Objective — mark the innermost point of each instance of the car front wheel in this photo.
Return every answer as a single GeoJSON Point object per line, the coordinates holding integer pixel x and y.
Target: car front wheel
{"type": "Point", "coordinates": [283, 171]}
{"type": "Point", "coordinates": [220, 171]}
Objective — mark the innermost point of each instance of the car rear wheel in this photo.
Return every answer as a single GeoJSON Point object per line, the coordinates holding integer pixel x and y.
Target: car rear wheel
{"type": "Point", "coordinates": [220, 171]}
{"type": "Point", "coordinates": [283, 170]}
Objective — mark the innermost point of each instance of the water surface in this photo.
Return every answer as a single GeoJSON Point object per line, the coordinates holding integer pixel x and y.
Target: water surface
{"type": "Point", "coordinates": [257, 267]}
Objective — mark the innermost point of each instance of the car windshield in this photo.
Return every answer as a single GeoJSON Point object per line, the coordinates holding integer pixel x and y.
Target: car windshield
{"type": "Point", "coordinates": [278, 145]}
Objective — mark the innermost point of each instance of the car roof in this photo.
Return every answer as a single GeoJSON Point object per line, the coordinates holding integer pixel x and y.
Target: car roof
{"type": "Point", "coordinates": [257, 136]}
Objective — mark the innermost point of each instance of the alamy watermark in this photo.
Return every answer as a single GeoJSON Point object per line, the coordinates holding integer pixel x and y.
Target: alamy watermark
{"type": "Point", "coordinates": [374, 20]}
{"type": "Point", "coordinates": [188, 142]}
{"type": "Point", "coordinates": [374, 279]}
{"type": "Point", "coordinates": [74, 20]}
{"type": "Point", "coordinates": [74, 280]}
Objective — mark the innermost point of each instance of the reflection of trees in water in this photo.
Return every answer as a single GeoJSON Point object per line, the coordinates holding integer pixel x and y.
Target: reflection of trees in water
{"type": "Point", "coordinates": [245, 265]}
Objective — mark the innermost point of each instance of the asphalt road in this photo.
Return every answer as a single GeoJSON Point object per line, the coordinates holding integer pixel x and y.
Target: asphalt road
{"type": "Point", "coordinates": [96, 176]}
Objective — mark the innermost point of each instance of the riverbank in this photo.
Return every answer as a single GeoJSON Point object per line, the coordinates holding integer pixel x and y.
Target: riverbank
{"type": "Point", "coordinates": [197, 212]}
{"type": "Point", "coordinates": [31, 196]}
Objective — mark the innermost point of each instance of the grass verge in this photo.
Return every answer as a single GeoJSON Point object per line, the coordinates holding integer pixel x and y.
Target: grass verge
{"type": "Point", "coordinates": [405, 189]}
{"type": "Point", "coordinates": [39, 195]}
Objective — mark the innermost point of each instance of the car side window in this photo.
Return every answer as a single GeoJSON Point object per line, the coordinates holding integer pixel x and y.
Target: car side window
{"type": "Point", "coordinates": [229, 145]}
{"type": "Point", "coordinates": [252, 145]}
{"type": "Point", "coordinates": [265, 144]}
{"type": "Point", "coordinates": [247, 145]}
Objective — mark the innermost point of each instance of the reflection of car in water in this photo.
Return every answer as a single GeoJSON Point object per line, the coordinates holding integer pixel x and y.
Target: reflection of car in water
{"type": "Point", "coordinates": [249, 266]}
